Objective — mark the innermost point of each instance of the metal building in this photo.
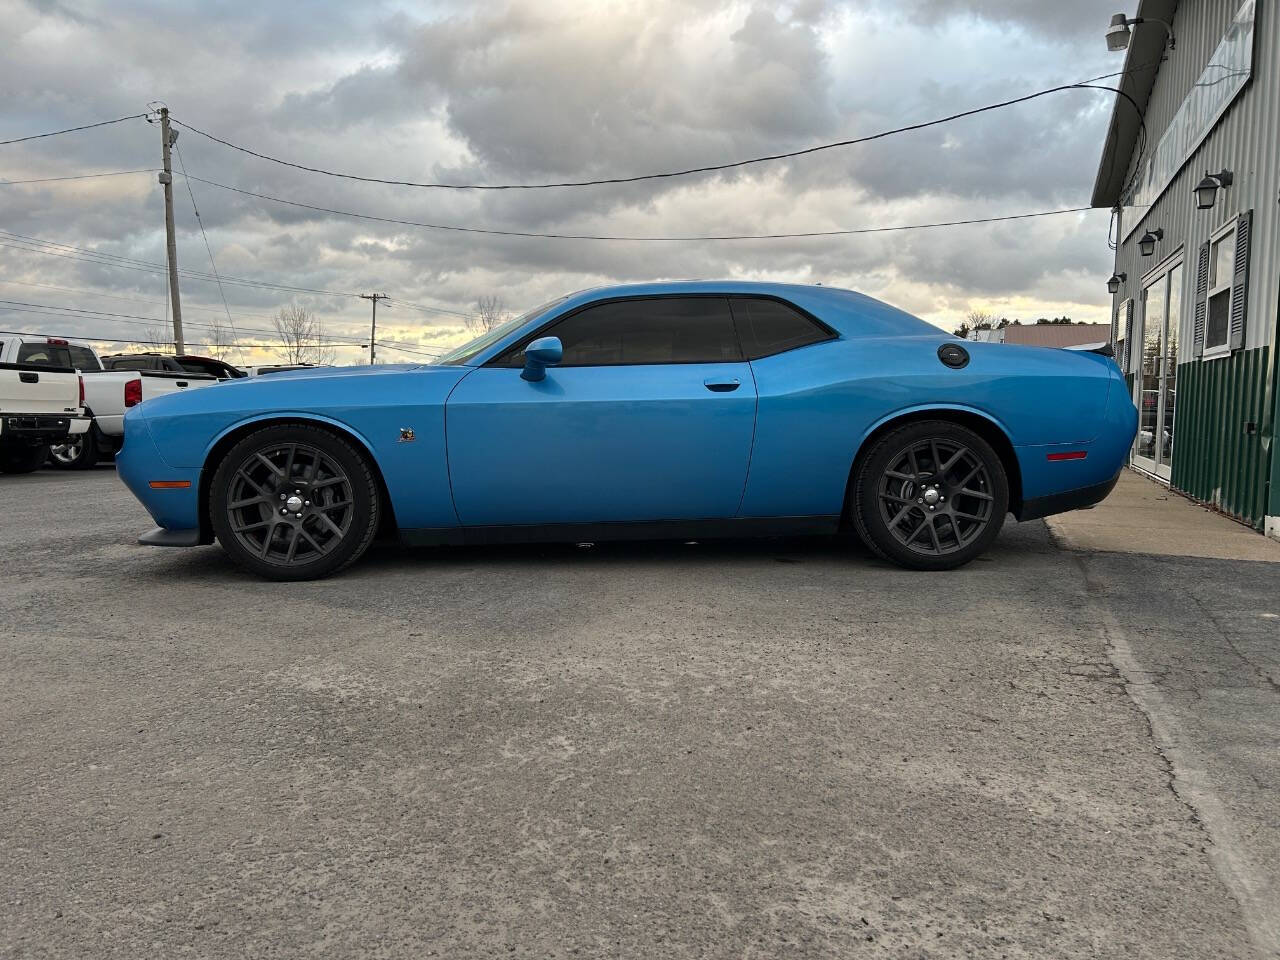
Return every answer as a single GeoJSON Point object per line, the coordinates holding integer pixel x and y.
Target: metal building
{"type": "Point", "coordinates": [1191, 169]}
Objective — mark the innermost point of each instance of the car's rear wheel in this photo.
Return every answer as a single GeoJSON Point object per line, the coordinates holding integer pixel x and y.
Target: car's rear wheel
{"type": "Point", "coordinates": [78, 452]}
{"type": "Point", "coordinates": [294, 502]}
{"type": "Point", "coordinates": [930, 495]}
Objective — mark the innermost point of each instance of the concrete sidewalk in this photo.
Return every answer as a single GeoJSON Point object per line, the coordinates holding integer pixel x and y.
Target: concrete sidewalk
{"type": "Point", "coordinates": [1142, 516]}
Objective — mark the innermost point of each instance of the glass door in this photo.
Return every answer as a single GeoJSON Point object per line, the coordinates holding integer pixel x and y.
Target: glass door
{"type": "Point", "coordinates": [1156, 383]}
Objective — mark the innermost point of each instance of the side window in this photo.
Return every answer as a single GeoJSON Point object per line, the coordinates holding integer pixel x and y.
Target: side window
{"type": "Point", "coordinates": [656, 330]}
{"type": "Point", "coordinates": [768, 327]}
{"type": "Point", "coordinates": [82, 358]}
{"type": "Point", "coordinates": [130, 363]}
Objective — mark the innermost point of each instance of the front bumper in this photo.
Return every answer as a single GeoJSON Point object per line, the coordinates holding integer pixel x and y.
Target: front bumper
{"type": "Point", "coordinates": [139, 464]}
{"type": "Point", "coordinates": [41, 428]}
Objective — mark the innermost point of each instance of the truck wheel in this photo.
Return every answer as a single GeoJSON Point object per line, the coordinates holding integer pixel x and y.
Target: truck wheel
{"type": "Point", "coordinates": [22, 459]}
{"type": "Point", "coordinates": [294, 502]}
{"type": "Point", "coordinates": [79, 452]}
{"type": "Point", "coordinates": [930, 495]}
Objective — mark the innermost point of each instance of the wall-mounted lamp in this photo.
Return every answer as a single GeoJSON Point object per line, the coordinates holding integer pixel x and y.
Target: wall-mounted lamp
{"type": "Point", "coordinates": [1118, 33]}
{"type": "Point", "coordinates": [1147, 245]}
{"type": "Point", "coordinates": [1206, 190]}
{"type": "Point", "coordinates": [1113, 284]}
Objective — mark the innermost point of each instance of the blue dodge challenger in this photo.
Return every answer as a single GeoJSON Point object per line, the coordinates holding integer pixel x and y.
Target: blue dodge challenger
{"type": "Point", "coordinates": [689, 410]}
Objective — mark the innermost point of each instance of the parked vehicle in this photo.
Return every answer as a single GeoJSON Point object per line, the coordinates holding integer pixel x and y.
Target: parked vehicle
{"type": "Point", "coordinates": [184, 363]}
{"type": "Point", "coordinates": [690, 409]}
{"type": "Point", "coordinates": [264, 369]}
{"type": "Point", "coordinates": [108, 393]}
{"type": "Point", "coordinates": [41, 402]}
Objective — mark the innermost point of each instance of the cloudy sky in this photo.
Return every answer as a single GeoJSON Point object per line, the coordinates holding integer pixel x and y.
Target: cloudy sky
{"type": "Point", "coordinates": [535, 91]}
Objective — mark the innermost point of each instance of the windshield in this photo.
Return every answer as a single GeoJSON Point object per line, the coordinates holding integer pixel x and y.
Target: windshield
{"type": "Point", "coordinates": [460, 355]}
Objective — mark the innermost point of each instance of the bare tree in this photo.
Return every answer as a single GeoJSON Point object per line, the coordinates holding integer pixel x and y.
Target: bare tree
{"type": "Point", "coordinates": [980, 320]}
{"type": "Point", "coordinates": [302, 337]}
{"type": "Point", "coordinates": [220, 339]}
{"type": "Point", "coordinates": [157, 340]}
{"type": "Point", "coordinates": [490, 311]}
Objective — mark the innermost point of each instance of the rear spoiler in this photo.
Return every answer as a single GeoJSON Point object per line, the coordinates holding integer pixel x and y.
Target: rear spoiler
{"type": "Point", "coordinates": [1102, 349]}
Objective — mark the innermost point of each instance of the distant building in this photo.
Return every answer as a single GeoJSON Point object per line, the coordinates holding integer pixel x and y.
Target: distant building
{"type": "Point", "coordinates": [1046, 334]}
{"type": "Point", "coordinates": [1193, 182]}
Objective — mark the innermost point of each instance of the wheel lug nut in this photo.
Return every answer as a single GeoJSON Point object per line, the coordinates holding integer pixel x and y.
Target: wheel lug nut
{"type": "Point", "coordinates": [306, 503]}
{"type": "Point", "coordinates": [282, 496]}
{"type": "Point", "coordinates": [284, 512]}
{"type": "Point", "coordinates": [298, 515]}
{"type": "Point", "coordinates": [920, 500]}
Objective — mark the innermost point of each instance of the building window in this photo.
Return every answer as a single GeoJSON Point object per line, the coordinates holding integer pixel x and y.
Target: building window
{"type": "Point", "coordinates": [1217, 326]}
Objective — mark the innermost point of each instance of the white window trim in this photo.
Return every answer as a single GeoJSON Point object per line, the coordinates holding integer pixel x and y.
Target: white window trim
{"type": "Point", "coordinates": [1224, 348]}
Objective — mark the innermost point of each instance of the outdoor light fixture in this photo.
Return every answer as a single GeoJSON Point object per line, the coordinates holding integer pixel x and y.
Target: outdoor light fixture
{"type": "Point", "coordinates": [1114, 283]}
{"type": "Point", "coordinates": [1118, 33]}
{"type": "Point", "coordinates": [1206, 190]}
{"type": "Point", "coordinates": [1147, 245]}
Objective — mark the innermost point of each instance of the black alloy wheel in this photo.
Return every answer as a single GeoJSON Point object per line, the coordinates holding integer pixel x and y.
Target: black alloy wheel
{"type": "Point", "coordinates": [294, 503]}
{"type": "Point", "coordinates": [930, 496]}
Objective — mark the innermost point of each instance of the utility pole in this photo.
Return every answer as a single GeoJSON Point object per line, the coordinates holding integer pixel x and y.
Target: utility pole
{"type": "Point", "coordinates": [373, 327]}
{"type": "Point", "coordinates": [167, 137]}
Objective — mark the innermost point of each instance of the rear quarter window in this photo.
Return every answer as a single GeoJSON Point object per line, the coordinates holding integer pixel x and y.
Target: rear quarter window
{"type": "Point", "coordinates": [767, 327]}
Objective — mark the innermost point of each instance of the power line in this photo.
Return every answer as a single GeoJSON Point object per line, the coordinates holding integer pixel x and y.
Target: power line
{"type": "Point", "coordinates": [87, 126]}
{"type": "Point", "coordinates": [147, 266]}
{"type": "Point", "coordinates": [689, 171]}
{"type": "Point", "coordinates": [23, 306]}
{"type": "Point", "coordinates": [79, 176]}
{"type": "Point", "coordinates": [581, 236]}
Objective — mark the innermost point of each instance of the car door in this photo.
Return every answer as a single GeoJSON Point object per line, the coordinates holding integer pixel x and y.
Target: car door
{"type": "Point", "coordinates": [648, 416]}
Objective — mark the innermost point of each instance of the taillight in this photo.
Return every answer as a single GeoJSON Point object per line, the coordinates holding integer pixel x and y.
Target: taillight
{"type": "Point", "coordinates": [81, 379]}
{"type": "Point", "coordinates": [132, 393]}
{"type": "Point", "coordinates": [55, 342]}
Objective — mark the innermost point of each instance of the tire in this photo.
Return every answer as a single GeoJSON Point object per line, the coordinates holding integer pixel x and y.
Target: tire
{"type": "Point", "coordinates": [20, 458]}
{"type": "Point", "coordinates": [77, 453]}
{"type": "Point", "coordinates": [931, 495]}
{"type": "Point", "coordinates": [294, 502]}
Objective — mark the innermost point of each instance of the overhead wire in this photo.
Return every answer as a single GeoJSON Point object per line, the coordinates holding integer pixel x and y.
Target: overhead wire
{"type": "Point", "coordinates": [87, 126]}
{"type": "Point", "coordinates": [633, 239]}
{"type": "Point", "coordinates": [79, 176]}
{"type": "Point", "coordinates": [668, 174]}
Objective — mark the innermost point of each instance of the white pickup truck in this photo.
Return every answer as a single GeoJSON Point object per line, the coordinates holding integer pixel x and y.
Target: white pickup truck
{"type": "Point", "coordinates": [107, 394]}
{"type": "Point", "coordinates": [41, 402]}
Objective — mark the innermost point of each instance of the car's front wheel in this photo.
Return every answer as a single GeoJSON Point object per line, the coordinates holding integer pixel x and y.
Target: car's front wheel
{"type": "Point", "coordinates": [294, 502]}
{"type": "Point", "coordinates": [931, 495]}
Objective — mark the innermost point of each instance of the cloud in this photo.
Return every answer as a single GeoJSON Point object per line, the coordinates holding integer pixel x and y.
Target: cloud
{"type": "Point", "coordinates": [526, 92]}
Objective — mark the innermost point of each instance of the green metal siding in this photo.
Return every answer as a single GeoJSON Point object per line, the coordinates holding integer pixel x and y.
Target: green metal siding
{"type": "Point", "coordinates": [1215, 458]}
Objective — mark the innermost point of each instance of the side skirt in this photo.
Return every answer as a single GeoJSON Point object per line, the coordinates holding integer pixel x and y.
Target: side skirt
{"type": "Point", "coordinates": [737, 527]}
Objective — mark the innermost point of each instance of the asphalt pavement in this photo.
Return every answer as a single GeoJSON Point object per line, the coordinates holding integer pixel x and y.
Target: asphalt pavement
{"type": "Point", "coordinates": [764, 749]}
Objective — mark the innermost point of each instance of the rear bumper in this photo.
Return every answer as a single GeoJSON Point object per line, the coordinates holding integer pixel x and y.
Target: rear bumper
{"type": "Point", "coordinates": [39, 428]}
{"type": "Point", "coordinates": [1068, 500]}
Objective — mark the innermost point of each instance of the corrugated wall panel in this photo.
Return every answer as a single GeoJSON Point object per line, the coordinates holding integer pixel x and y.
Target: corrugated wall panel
{"type": "Point", "coordinates": [1213, 460]}
{"type": "Point", "coordinates": [1216, 457]}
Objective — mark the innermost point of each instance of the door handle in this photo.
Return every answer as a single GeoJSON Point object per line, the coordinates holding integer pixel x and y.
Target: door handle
{"type": "Point", "coordinates": [722, 384]}
{"type": "Point", "coordinates": [182, 383]}
{"type": "Point", "coordinates": [26, 377]}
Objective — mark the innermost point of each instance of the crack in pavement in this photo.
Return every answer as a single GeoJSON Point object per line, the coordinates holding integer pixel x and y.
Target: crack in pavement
{"type": "Point", "coordinates": [1188, 780]}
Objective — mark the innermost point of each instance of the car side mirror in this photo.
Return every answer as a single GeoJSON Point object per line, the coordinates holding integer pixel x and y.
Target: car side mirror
{"type": "Point", "coordinates": [540, 354]}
